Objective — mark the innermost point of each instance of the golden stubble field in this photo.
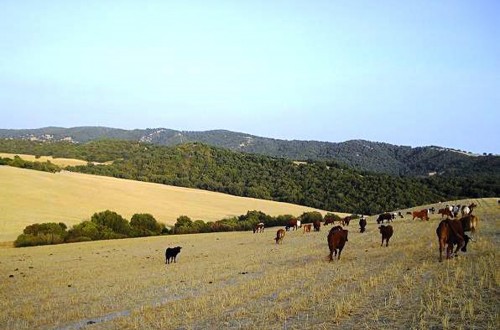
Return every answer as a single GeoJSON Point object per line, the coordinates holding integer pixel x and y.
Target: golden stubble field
{"type": "Point", "coordinates": [242, 280]}
{"type": "Point", "coordinates": [28, 197]}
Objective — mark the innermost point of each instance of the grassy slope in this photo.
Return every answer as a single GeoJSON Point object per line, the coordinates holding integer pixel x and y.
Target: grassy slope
{"type": "Point", "coordinates": [244, 280]}
{"type": "Point", "coordinates": [29, 197]}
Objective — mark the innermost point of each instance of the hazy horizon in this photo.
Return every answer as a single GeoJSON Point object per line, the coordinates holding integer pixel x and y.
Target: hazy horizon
{"type": "Point", "coordinates": [404, 73]}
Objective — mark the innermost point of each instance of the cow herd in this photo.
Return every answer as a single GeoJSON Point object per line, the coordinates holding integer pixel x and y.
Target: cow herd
{"type": "Point", "coordinates": [450, 232]}
{"type": "Point", "coordinates": [338, 236]}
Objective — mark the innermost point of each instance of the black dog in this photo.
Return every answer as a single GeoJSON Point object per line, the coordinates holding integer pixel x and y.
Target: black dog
{"type": "Point", "coordinates": [171, 254]}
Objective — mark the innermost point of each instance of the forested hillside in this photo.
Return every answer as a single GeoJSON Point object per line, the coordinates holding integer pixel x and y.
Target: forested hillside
{"type": "Point", "coordinates": [359, 154]}
{"type": "Point", "coordinates": [324, 185]}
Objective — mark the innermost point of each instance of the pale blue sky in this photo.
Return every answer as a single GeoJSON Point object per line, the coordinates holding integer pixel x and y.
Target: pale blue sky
{"type": "Point", "coordinates": [403, 72]}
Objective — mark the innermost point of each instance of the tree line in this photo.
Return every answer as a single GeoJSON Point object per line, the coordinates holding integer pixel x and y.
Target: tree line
{"type": "Point", "coordinates": [326, 185]}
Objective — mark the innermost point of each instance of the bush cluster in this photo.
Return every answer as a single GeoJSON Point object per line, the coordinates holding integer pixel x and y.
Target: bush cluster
{"type": "Point", "coordinates": [110, 225]}
{"type": "Point", "coordinates": [102, 225]}
{"type": "Point", "coordinates": [38, 166]}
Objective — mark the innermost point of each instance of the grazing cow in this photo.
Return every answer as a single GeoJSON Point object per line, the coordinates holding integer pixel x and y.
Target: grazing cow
{"type": "Point", "coordinates": [346, 220]}
{"type": "Point", "coordinates": [292, 224]}
{"type": "Point", "coordinates": [422, 214]}
{"type": "Point", "coordinates": [307, 228]}
{"type": "Point", "coordinates": [386, 232]}
{"type": "Point", "coordinates": [329, 221]}
{"type": "Point", "coordinates": [432, 210]}
{"type": "Point", "coordinates": [445, 212]}
{"type": "Point", "coordinates": [384, 216]}
{"type": "Point", "coordinates": [362, 225]}
{"type": "Point", "coordinates": [470, 223]}
{"type": "Point", "coordinates": [171, 254]}
{"type": "Point", "coordinates": [450, 233]}
{"type": "Point", "coordinates": [279, 236]}
{"type": "Point", "coordinates": [258, 228]}
{"type": "Point", "coordinates": [317, 225]}
{"type": "Point", "coordinates": [330, 218]}
{"type": "Point", "coordinates": [337, 237]}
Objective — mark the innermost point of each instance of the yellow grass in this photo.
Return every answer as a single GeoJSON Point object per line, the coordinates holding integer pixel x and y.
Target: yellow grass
{"type": "Point", "coordinates": [29, 197]}
{"type": "Point", "coordinates": [244, 280]}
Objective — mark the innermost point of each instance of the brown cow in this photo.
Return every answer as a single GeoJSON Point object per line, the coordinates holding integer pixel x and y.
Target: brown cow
{"type": "Point", "coordinates": [279, 236]}
{"type": "Point", "coordinates": [337, 237]}
{"type": "Point", "coordinates": [317, 225]}
{"type": "Point", "coordinates": [258, 228]}
{"type": "Point", "coordinates": [470, 223]}
{"type": "Point", "coordinates": [445, 212]}
{"type": "Point", "coordinates": [386, 232]}
{"type": "Point", "coordinates": [466, 210]}
{"type": "Point", "coordinates": [330, 219]}
{"type": "Point", "coordinates": [450, 232]}
{"type": "Point", "coordinates": [346, 220]}
{"type": "Point", "coordinates": [422, 214]}
{"type": "Point", "coordinates": [292, 224]}
{"type": "Point", "coordinates": [307, 228]}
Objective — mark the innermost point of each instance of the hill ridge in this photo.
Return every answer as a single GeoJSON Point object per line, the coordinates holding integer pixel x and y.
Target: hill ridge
{"type": "Point", "coordinates": [364, 155]}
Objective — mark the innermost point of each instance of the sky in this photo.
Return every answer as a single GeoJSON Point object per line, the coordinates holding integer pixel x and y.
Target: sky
{"type": "Point", "coordinates": [413, 73]}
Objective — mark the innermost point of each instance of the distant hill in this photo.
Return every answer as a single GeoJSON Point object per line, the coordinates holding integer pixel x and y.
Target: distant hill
{"type": "Point", "coordinates": [359, 154]}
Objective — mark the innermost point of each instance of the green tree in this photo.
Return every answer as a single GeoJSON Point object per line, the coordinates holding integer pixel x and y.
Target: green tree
{"type": "Point", "coordinates": [112, 220]}
{"type": "Point", "coordinates": [84, 231]}
{"type": "Point", "coordinates": [145, 225]}
{"type": "Point", "coordinates": [310, 217]}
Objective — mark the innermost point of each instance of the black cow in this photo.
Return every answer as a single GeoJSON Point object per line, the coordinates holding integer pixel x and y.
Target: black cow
{"type": "Point", "coordinates": [362, 225]}
{"type": "Point", "coordinates": [171, 254]}
{"type": "Point", "coordinates": [384, 216]}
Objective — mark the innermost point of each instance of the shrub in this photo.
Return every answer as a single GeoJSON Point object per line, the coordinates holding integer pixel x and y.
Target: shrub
{"type": "Point", "coordinates": [41, 239]}
{"type": "Point", "coordinates": [145, 225]}
{"type": "Point", "coordinates": [46, 228]}
{"type": "Point", "coordinates": [78, 239]}
{"type": "Point", "coordinates": [115, 222]}
{"type": "Point", "coordinates": [310, 217]}
{"type": "Point", "coordinates": [87, 229]}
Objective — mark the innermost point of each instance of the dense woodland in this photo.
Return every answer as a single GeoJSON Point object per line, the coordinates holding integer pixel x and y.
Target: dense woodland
{"type": "Point", "coordinates": [359, 154]}
{"type": "Point", "coordinates": [326, 185]}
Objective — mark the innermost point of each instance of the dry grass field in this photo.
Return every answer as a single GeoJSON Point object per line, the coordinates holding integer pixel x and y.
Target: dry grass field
{"type": "Point", "coordinates": [242, 280]}
{"type": "Point", "coordinates": [28, 197]}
